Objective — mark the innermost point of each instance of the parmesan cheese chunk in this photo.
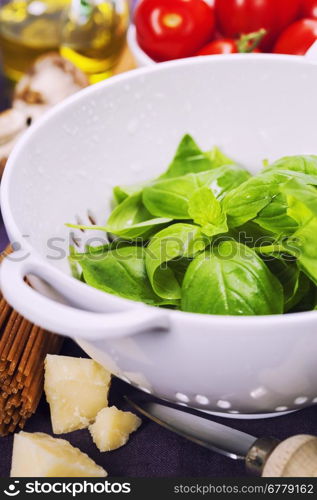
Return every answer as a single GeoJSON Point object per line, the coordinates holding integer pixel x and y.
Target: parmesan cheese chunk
{"type": "Point", "coordinates": [112, 428]}
{"type": "Point", "coordinates": [40, 455]}
{"type": "Point", "coordinates": [76, 390]}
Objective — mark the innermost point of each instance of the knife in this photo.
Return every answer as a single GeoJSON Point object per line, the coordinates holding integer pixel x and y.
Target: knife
{"type": "Point", "coordinates": [294, 457]}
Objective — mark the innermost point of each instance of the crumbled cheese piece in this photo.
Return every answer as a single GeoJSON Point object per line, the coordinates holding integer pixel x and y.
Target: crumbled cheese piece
{"type": "Point", "coordinates": [40, 455]}
{"type": "Point", "coordinates": [76, 390]}
{"type": "Point", "coordinates": [112, 428]}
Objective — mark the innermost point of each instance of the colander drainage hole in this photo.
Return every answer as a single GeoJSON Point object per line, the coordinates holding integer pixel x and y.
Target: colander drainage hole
{"type": "Point", "coordinates": [182, 397]}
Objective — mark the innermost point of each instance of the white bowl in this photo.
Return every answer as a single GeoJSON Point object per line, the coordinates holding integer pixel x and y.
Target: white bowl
{"type": "Point", "coordinates": [141, 57]}
{"type": "Point", "coordinates": [125, 131]}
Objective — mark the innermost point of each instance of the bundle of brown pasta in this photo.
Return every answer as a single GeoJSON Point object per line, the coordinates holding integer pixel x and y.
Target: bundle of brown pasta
{"type": "Point", "coordinates": [23, 348]}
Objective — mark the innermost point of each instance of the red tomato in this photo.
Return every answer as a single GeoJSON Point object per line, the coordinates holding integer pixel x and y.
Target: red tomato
{"type": "Point", "coordinates": [245, 44]}
{"type": "Point", "coordinates": [244, 16]}
{"type": "Point", "coordinates": [222, 46]}
{"type": "Point", "coordinates": [309, 8]}
{"type": "Point", "coordinates": [297, 38]}
{"type": "Point", "coordinates": [172, 29]}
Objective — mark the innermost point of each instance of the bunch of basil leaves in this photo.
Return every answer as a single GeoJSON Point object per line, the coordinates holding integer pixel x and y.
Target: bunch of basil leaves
{"type": "Point", "coordinates": [207, 237]}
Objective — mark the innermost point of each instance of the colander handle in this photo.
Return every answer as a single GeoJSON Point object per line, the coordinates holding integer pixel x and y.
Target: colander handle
{"type": "Point", "coordinates": [67, 320]}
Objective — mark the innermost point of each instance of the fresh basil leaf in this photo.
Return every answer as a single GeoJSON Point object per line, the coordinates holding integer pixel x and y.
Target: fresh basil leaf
{"type": "Point", "coordinates": [246, 201]}
{"type": "Point", "coordinates": [303, 288]}
{"type": "Point", "coordinates": [120, 272]}
{"type": "Point", "coordinates": [303, 206]}
{"type": "Point", "coordinates": [107, 247]}
{"type": "Point", "coordinates": [252, 235]}
{"type": "Point", "coordinates": [189, 158]}
{"type": "Point", "coordinates": [301, 200]}
{"type": "Point", "coordinates": [121, 193]}
{"type": "Point", "coordinates": [126, 218]}
{"type": "Point", "coordinates": [298, 210]}
{"type": "Point", "coordinates": [178, 241]}
{"type": "Point", "coordinates": [277, 216]}
{"type": "Point", "coordinates": [295, 283]}
{"type": "Point", "coordinates": [274, 217]}
{"type": "Point", "coordinates": [74, 268]}
{"type": "Point", "coordinates": [98, 252]}
{"type": "Point", "coordinates": [142, 229]}
{"type": "Point", "coordinates": [130, 220]}
{"type": "Point", "coordinates": [218, 158]}
{"type": "Point", "coordinates": [306, 164]}
{"type": "Point", "coordinates": [225, 179]}
{"type": "Point", "coordinates": [179, 267]}
{"type": "Point", "coordinates": [170, 197]}
{"type": "Point", "coordinates": [231, 280]}
{"type": "Point", "coordinates": [304, 240]}
{"type": "Point", "coordinates": [206, 211]}
{"type": "Point", "coordinates": [308, 300]}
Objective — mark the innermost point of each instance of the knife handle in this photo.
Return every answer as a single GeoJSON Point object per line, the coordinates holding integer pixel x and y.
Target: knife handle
{"type": "Point", "coordinates": [294, 457]}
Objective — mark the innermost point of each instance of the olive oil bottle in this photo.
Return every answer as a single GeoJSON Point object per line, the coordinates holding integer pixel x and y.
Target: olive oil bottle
{"type": "Point", "coordinates": [90, 33]}
{"type": "Point", "coordinates": [93, 35]}
{"type": "Point", "coordinates": [28, 29]}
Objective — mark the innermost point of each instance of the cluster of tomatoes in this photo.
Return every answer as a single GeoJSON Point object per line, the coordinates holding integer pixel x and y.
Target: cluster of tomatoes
{"type": "Point", "coordinates": [173, 29]}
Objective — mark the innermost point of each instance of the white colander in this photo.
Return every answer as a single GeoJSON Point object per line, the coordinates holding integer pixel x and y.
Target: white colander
{"type": "Point", "coordinates": [126, 131]}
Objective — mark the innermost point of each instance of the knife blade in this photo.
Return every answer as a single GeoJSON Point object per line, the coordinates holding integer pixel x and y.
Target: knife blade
{"type": "Point", "coordinates": [212, 435]}
{"type": "Point", "coordinates": [217, 437]}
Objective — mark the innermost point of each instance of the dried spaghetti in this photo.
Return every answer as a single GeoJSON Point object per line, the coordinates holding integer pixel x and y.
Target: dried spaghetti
{"type": "Point", "coordinates": [23, 348]}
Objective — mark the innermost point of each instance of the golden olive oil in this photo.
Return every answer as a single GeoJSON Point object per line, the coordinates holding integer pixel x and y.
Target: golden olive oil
{"type": "Point", "coordinates": [29, 29]}
{"type": "Point", "coordinates": [93, 35]}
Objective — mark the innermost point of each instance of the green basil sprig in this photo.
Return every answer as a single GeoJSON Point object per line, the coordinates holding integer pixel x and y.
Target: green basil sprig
{"type": "Point", "coordinates": [207, 212]}
{"type": "Point", "coordinates": [170, 197]}
{"type": "Point", "coordinates": [248, 201]}
{"type": "Point", "coordinates": [206, 237]}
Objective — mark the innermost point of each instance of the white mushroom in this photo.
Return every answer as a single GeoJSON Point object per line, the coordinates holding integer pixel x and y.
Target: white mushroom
{"type": "Point", "coordinates": [50, 80]}
{"type": "Point", "coordinates": [12, 122]}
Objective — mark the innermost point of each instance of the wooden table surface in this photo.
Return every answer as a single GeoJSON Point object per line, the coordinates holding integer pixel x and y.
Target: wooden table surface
{"type": "Point", "coordinates": [126, 62]}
